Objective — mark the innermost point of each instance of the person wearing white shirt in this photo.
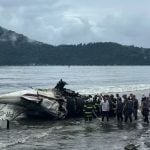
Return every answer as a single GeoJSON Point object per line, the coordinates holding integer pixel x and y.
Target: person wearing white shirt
{"type": "Point", "coordinates": [105, 109]}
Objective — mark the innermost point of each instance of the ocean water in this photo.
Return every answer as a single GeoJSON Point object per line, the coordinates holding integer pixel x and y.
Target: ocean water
{"type": "Point", "coordinates": [84, 79]}
{"type": "Point", "coordinates": [75, 134]}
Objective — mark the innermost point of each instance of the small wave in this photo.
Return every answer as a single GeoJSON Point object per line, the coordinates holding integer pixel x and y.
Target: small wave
{"type": "Point", "coordinates": [115, 89]}
{"type": "Point", "coordinates": [41, 135]}
{"type": "Point", "coordinates": [23, 140]}
{"type": "Point", "coordinates": [15, 142]}
{"type": "Point", "coordinates": [46, 133]}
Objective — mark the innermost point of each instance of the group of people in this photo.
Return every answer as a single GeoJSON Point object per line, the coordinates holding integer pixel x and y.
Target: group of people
{"type": "Point", "coordinates": [123, 107]}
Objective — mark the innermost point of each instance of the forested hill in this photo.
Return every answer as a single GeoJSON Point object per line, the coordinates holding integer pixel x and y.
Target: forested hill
{"type": "Point", "coordinates": [17, 49]}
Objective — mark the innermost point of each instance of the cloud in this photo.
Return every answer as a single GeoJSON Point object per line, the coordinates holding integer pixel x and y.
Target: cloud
{"type": "Point", "coordinates": [70, 22]}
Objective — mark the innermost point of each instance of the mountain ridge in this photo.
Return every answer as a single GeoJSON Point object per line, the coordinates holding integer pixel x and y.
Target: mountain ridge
{"type": "Point", "coordinates": [17, 49]}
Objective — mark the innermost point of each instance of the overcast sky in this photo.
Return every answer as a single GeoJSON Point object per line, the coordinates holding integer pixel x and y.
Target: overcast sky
{"type": "Point", "coordinates": [79, 21]}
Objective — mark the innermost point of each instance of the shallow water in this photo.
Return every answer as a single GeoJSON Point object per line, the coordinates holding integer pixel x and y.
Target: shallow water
{"type": "Point", "coordinates": [75, 133]}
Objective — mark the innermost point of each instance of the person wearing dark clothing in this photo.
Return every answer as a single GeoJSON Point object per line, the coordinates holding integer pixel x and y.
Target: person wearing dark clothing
{"type": "Point", "coordinates": [131, 96]}
{"type": "Point", "coordinates": [119, 110]}
{"type": "Point", "coordinates": [125, 99]}
{"type": "Point", "coordinates": [143, 98]}
{"type": "Point", "coordinates": [88, 110]}
{"type": "Point", "coordinates": [128, 110]}
{"type": "Point", "coordinates": [118, 98]}
{"type": "Point", "coordinates": [135, 107]}
{"type": "Point", "coordinates": [112, 102]}
{"type": "Point", "coordinates": [145, 110]}
{"type": "Point", "coordinates": [96, 106]}
{"type": "Point", "coordinates": [60, 85]}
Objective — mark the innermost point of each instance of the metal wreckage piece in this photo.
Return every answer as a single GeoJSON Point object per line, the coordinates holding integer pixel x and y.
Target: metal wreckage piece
{"type": "Point", "coordinates": [57, 103]}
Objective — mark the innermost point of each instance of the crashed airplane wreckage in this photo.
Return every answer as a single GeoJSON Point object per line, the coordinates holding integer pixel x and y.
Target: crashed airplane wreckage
{"type": "Point", "coordinates": [58, 103]}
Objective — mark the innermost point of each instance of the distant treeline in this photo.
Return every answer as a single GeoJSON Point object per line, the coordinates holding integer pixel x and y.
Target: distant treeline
{"type": "Point", "coordinates": [34, 53]}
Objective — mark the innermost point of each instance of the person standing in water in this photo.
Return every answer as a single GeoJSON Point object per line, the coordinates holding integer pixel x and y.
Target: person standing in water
{"type": "Point", "coordinates": [135, 107]}
{"type": "Point", "coordinates": [128, 110]}
{"type": "Point", "coordinates": [145, 109]}
{"type": "Point", "coordinates": [88, 109]}
{"type": "Point", "coordinates": [119, 110]}
{"type": "Point", "coordinates": [105, 108]}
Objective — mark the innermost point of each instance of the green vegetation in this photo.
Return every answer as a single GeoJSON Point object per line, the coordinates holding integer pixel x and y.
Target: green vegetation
{"type": "Point", "coordinates": [21, 51]}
